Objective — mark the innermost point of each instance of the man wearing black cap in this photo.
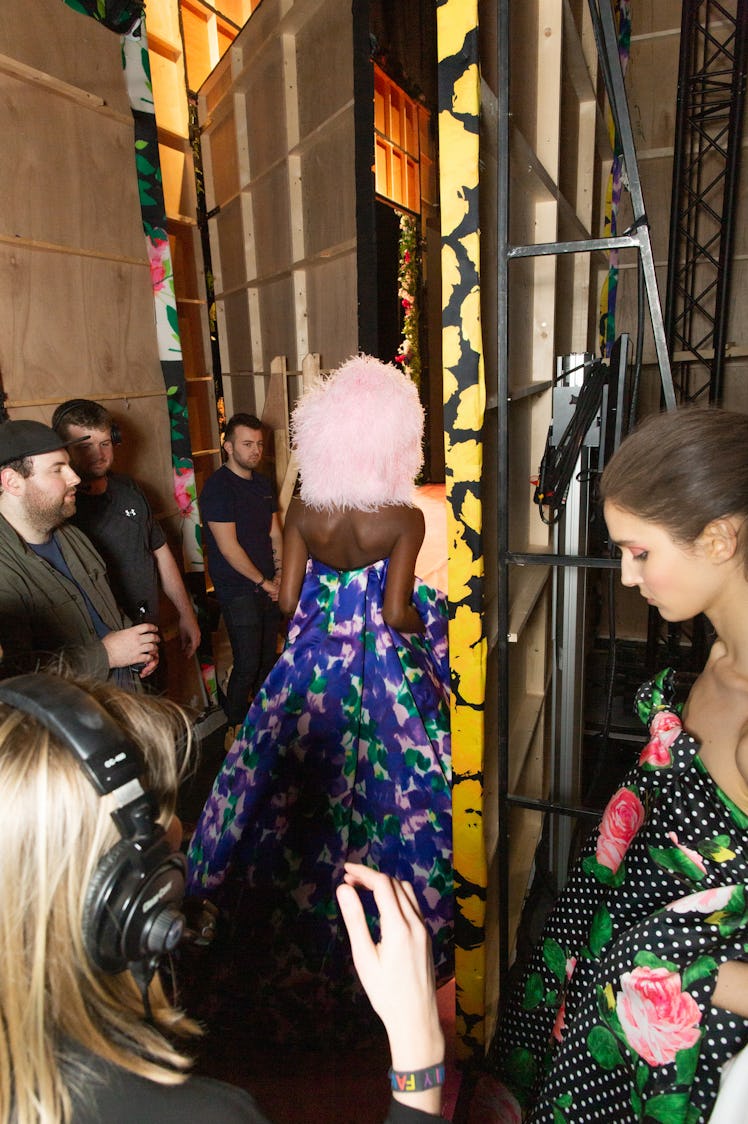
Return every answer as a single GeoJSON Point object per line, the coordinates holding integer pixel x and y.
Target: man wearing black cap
{"type": "Point", "coordinates": [54, 595]}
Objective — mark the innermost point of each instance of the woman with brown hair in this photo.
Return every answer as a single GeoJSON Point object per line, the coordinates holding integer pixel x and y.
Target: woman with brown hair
{"type": "Point", "coordinates": [638, 991]}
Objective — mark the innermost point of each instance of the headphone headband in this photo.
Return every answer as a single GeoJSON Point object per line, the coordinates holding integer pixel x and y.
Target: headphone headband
{"type": "Point", "coordinates": [132, 904]}
{"type": "Point", "coordinates": [72, 404]}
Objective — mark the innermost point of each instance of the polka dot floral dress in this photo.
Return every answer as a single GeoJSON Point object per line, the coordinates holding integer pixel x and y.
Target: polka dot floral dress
{"type": "Point", "coordinates": [613, 1020]}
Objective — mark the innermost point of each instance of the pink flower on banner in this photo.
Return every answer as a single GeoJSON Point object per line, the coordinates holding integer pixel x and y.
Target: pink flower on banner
{"type": "Point", "coordinates": [694, 856]}
{"type": "Point", "coordinates": [665, 728]}
{"type": "Point", "coordinates": [184, 489]}
{"type": "Point", "coordinates": [705, 901]}
{"type": "Point", "coordinates": [657, 1018]}
{"type": "Point", "coordinates": [158, 251]}
{"type": "Point", "coordinates": [621, 820]}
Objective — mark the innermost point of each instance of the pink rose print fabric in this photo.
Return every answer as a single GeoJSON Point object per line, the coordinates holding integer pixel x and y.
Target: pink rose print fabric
{"type": "Point", "coordinates": [612, 1018]}
{"type": "Point", "coordinates": [657, 1018]}
{"type": "Point", "coordinates": [621, 820]}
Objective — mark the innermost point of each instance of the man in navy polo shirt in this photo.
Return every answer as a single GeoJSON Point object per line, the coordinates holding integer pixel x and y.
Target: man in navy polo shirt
{"type": "Point", "coordinates": [244, 544]}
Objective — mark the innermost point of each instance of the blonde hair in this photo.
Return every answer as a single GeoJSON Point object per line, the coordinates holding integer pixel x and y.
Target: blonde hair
{"type": "Point", "coordinates": [56, 828]}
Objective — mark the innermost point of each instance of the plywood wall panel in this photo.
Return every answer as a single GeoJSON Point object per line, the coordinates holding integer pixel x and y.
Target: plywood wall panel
{"type": "Point", "coordinates": [222, 182]}
{"type": "Point", "coordinates": [271, 222]}
{"type": "Point", "coordinates": [656, 16]}
{"type": "Point", "coordinates": [74, 205]}
{"type": "Point", "coordinates": [324, 65]}
{"type": "Point", "coordinates": [261, 94]}
{"type": "Point", "coordinates": [333, 311]}
{"type": "Point", "coordinates": [651, 88]}
{"type": "Point", "coordinates": [67, 45]}
{"type": "Point", "coordinates": [329, 196]}
{"type": "Point", "coordinates": [229, 230]}
{"type": "Point", "coordinates": [281, 155]}
{"type": "Point", "coordinates": [70, 325]}
{"type": "Point", "coordinates": [236, 349]}
{"type": "Point", "coordinates": [277, 317]}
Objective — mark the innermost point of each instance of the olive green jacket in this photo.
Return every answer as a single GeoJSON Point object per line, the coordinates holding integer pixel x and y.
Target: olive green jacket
{"type": "Point", "coordinates": [43, 616]}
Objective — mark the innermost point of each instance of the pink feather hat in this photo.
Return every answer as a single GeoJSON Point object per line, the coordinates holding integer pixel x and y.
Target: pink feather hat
{"type": "Point", "coordinates": [357, 437]}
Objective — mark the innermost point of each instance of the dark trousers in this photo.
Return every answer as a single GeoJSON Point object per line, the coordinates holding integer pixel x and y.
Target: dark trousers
{"type": "Point", "coordinates": [252, 622]}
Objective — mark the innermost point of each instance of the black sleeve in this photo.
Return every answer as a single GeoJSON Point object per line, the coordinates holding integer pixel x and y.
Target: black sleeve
{"type": "Point", "coordinates": [118, 1097]}
{"type": "Point", "coordinates": [400, 1113]}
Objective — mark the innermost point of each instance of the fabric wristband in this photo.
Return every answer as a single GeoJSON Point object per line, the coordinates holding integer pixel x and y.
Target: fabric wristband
{"type": "Point", "coordinates": [416, 1080]}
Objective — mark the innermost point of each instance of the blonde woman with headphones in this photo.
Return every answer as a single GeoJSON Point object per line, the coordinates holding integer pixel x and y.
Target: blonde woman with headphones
{"type": "Point", "coordinates": [92, 903]}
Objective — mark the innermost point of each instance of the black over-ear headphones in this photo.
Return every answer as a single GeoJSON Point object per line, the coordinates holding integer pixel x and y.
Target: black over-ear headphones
{"type": "Point", "coordinates": [132, 908]}
{"type": "Point", "coordinates": [75, 404]}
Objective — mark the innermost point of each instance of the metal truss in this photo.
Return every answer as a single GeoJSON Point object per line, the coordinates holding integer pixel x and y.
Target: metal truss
{"type": "Point", "coordinates": [708, 132]}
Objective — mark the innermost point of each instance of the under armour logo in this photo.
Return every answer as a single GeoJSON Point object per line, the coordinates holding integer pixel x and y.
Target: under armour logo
{"type": "Point", "coordinates": [130, 512]}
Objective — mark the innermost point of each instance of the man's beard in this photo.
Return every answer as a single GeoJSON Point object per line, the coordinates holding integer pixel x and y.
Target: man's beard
{"type": "Point", "coordinates": [46, 515]}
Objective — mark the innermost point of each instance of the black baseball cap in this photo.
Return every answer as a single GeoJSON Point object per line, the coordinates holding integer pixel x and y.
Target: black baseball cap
{"type": "Point", "coordinates": [20, 439]}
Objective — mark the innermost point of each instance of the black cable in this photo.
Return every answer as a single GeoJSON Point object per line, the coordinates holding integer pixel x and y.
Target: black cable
{"type": "Point", "coordinates": [639, 349]}
{"type": "Point", "coordinates": [557, 466]}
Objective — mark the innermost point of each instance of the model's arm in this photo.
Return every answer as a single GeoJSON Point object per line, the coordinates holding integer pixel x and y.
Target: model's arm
{"type": "Point", "coordinates": [295, 557]}
{"type": "Point", "coordinates": [236, 556]}
{"type": "Point", "coordinates": [174, 588]}
{"type": "Point", "coordinates": [731, 990]}
{"type": "Point", "coordinates": [276, 542]}
{"type": "Point", "coordinates": [398, 610]}
{"type": "Point", "coordinates": [397, 974]}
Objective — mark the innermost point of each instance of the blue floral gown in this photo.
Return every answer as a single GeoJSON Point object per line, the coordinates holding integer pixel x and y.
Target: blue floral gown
{"type": "Point", "coordinates": [344, 755]}
{"type": "Point", "coordinates": [612, 1019]}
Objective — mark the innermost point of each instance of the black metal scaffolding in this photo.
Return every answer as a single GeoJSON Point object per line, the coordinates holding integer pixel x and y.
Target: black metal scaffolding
{"type": "Point", "coordinates": [708, 134]}
{"type": "Point", "coordinates": [637, 237]}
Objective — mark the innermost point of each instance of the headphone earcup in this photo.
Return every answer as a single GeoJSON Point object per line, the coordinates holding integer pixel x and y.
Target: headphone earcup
{"type": "Point", "coordinates": [132, 905]}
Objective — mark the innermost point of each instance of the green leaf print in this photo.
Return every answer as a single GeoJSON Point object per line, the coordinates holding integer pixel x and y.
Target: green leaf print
{"type": "Point", "coordinates": [144, 166]}
{"type": "Point", "coordinates": [677, 862]}
{"type": "Point", "coordinates": [414, 759]}
{"type": "Point", "coordinates": [667, 1107]}
{"type": "Point", "coordinates": [521, 1068]}
{"type": "Point", "coordinates": [645, 959]}
{"type": "Point", "coordinates": [146, 200]}
{"type": "Point", "coordinates": [704, 966]}
{"type": "Point", "coordinates": [686, 1062]}
{"type": "Point", "coordinates": [603, 1047]}
{"type": "Point", "coordinates": [604, 874]}
{"type": "Point", "coordinates": [601, 929]}
{"type": "Point", "coordinates": [717, 849]}
{"type": "Point", "coordinates": [534, 990]}
{"type": "Point", "coordinates": [554, 957]}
